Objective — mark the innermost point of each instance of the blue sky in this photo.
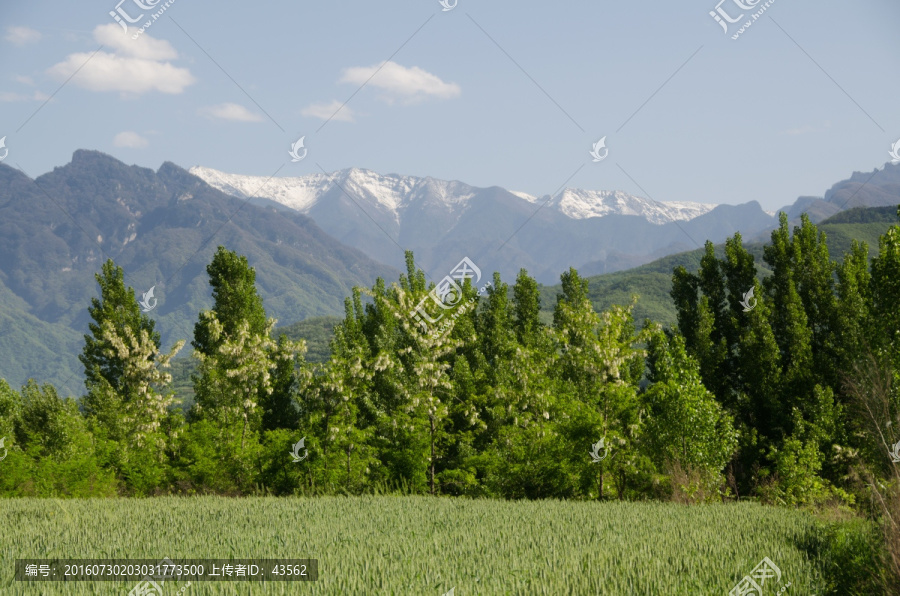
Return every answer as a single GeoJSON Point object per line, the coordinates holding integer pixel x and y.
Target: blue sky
{"type": "Point", "coordinates": [502, 93]}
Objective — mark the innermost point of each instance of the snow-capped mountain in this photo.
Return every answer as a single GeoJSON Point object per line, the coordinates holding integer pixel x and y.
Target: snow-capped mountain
{"type": "Point", "coordinates": [442, 221]}
{"type": "Point", "coordinates": [396, 193]}
{"type": "Point", "coordinates": [581, 204]}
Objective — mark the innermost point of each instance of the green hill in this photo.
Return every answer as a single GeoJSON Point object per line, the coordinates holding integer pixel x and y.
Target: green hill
{"type": "Point", "coordinates": [653, 282]}
{"type": "Point", "coordinates": [317, 331]}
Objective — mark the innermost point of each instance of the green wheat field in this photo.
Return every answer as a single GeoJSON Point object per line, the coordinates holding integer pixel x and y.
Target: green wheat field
{"type": "Point", "coordinates": [421, 545]}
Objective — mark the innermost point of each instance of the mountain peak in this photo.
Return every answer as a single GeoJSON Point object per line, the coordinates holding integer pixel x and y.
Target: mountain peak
{"type": "Point", "coordinates": [83, 157]}
{"type": "Point", "coordinates": [581, 204]}
{"type": "Point", "coordinates": [395, 193]}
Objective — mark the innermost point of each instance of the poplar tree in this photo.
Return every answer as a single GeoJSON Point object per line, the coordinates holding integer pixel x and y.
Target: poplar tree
{"type": "Point", "coordinates": [601, 368]}
{"type": "Point", "coordinates": [885, 294]}
{"type": "Point", "coordinates": [235, 301]}
{"type": "Point", "coordinates": [686, 426]}
{"type": "Point", "coordinates": [108, 385]}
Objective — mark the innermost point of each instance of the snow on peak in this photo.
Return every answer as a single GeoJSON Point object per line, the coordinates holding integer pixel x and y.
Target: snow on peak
{"type": "Point", "coordinates": [299, 193]}
{"type": "Point", "coordinates": [525, 195]}
{"type": "Point", "coordinates": [394, 193]}
{"type": "Point", "coordinates": [581, 204]}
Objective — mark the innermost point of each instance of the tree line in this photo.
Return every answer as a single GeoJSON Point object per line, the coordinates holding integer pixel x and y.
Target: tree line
{"type": "Point", "coordinates": [783, 389]}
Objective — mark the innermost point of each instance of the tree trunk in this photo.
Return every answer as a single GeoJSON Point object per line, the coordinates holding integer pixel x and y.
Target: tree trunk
{"type": "Point", "coordinates": [349, 448]}
{"type": "Point", "coordinates": [432, 456]}
{"type": "Point", "coordinates": [325, 442]}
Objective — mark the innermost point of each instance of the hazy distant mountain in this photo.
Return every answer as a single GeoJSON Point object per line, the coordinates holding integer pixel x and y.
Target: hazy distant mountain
{"type": "Point", "coordinates": [652, 282]}
{"type": "Point", "coordinates": [162, 228]}
{"type": "Point", "coordinates": [443, 221]}
{"type": "Point", "coordinates": [878, 188]}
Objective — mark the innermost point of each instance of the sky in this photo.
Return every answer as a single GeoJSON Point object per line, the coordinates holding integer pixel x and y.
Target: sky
{"type": "Point", "coordinates": [506, 93]}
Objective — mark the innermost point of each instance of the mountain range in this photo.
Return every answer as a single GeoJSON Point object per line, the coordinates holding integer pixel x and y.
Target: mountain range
{"type": "Point", "coordinates": [311, 239]}
{"type": "Point", "coordinates": [503, 230]}
{"type": "Point", "coordinates": [500, 230]}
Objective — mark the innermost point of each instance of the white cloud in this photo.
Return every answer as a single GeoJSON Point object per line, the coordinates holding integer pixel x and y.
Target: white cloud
{"type": "Point", "coordinates": [33, 96]}
{"type": "Point", "coordinates": [143, 47]}
{"type": "Point", "coordinates": [326, 111]}
{"type": "Point", "coordinates": [108, 72]}
{"type": "Point", "coordinates": [24, 80]}
{"type": "Point", "coordinates": [230, 111]}
{"type": "Point", "coordinates": [129, 139]}
{"type": "Point", "coordinates": [135, 68]}
{"type": "Point", "coordinates": [399, 82]}
{"type": "Point", "coordinates": [802, 130]}
{"type": "Point", "coordinates": [21, 35]}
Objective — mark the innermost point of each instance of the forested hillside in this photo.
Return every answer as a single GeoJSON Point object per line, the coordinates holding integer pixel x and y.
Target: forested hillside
{"type": "Point", "coordinates": [158, 226]}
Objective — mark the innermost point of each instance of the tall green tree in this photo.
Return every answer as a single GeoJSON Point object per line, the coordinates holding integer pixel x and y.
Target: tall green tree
{"type": "Point", "coordinates": [686, 427]}
{"type": "Point", "coordinates": [802, 261]}
{"type": "Point", "coordinates": [710, 314]}
{"type": "Point", "coordinates": [10, 409]}
{"type": "Point", "coordinates": [757, 408]}
{"type": "Point", "coordinates": [338, 411]}
{"type": "Point", "coordinates": [885, 294]}
{"type": "Point", "coordinates": [237, 318]}
{"type": "Point", "coordinates": [137, 432]}
{"type": "Point", "coordinates": [425, 390]}
{"type": "Point", "coordinates": [108, 385]}
{"type": "Point", "coordinates": [290, 377]}
{"type": "Point", "coordinates": [237, 377]}
{"type": "Point", "coordinates": [854, 304]}
{"type": "Point", "coordinates": [526, 309]}
{"type": "Point", "coordinates": [519, 445]}
{"type": "Point", "coordinates": [601, 368]}
{"type": "Point", "coordinates": [803, 292]}
{"type": "Point", "coordinates": [235, 299]}
{"type": "Point", "coordinates": [142, 414]}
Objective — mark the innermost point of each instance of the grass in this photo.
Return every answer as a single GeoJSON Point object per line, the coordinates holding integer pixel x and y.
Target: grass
{"type": "Point", "coordinates": [421, 545]}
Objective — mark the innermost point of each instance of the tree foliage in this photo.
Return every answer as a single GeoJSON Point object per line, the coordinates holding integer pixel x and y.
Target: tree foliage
{"type": "Point", "coordinates": [747, 396]}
